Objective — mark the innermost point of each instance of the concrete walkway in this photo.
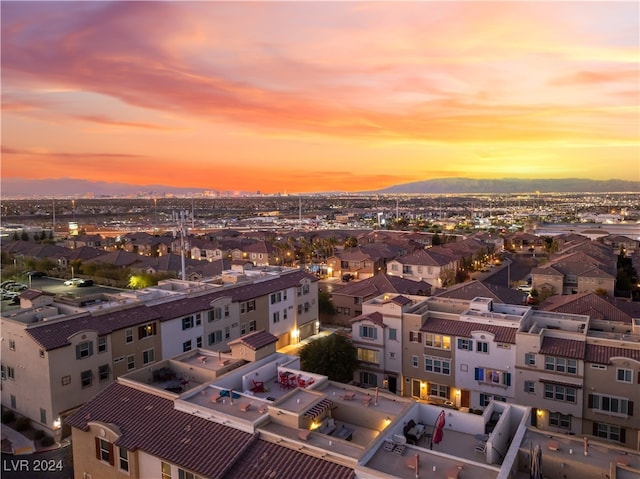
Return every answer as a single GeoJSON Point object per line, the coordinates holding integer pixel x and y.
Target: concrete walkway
{"type": "Point", "coordinates": [20, 444]}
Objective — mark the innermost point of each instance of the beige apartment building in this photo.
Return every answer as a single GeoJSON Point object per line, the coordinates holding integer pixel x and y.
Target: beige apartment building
{"type": "Point", "coordinates": [55, 356]}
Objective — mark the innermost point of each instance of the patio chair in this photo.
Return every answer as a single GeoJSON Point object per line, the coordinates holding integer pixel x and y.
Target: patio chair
{"type": "Point", "coordinates": [258, 386]}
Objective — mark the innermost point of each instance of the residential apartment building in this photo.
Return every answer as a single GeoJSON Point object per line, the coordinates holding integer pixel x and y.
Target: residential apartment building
{"type": "Point", "coordinates": [356, 262]}
{"type": "Point", "coordinates": [425, 265]}
{"type": "Point", "coordinates": [68, 353]}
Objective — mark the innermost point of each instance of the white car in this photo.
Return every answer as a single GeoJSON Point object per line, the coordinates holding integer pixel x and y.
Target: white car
{"type": "Point", "coordinates": [525, 288]}
{"type": "Point", "coordinates": [73, 282]}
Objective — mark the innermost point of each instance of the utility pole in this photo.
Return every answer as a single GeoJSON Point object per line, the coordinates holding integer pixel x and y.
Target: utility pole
{"type": "Point", "coordinates": [180, 218]}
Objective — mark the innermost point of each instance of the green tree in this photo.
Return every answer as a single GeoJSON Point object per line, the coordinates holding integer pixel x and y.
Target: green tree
{"type": "Point", "coordinates": [351, 242]}
{"type": "Point", "coordinates": [333, 356]}
{"type": "Point", "coordinates": [436, 240]}
{"type": "Point", "coordinates": [325, 305]}
{"type": "Point", "coordinates": [24, 236]}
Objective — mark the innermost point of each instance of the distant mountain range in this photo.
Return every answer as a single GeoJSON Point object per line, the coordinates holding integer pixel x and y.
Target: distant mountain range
{"type": "Point", "coordinates": [67, 187]}
{"type": "Point", "coordinates": [512, 185]}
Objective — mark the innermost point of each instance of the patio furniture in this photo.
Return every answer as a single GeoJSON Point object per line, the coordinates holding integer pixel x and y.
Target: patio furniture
{"type": "Point", "coordinates": [348, 396]}
{"type": "Point", "coordinates": [245, 406]}
{"type": "Point", "coordinates": [481, 446]}
{"type": "Point", "coordinates": [553, 445]}
{"type": "Point", "coordinates": [367, 400]}
{"type": "Point", "coordinates": [415, 433]}
{"type": "Point", "coordinates": [258, 386]}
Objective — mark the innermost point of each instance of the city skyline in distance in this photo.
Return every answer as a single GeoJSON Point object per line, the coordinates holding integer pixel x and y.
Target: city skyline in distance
{"type": "Point", "coordinates": [318, 97]}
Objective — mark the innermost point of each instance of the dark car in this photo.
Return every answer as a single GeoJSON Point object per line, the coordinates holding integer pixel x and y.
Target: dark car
{"type": "Point", "coordinates": [85, 282]}
{"type": "Point", "coordinates": [36, 274]}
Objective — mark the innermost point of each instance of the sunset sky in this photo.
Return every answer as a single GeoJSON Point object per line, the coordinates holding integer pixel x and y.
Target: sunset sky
{"type": "Point", "coordinates": [307, 97]}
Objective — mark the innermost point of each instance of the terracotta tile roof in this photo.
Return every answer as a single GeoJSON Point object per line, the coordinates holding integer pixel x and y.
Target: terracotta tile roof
{"type": "Point", "coordinates": [475, 289]}
{"type": "Point", "coordinates": [256, 340]}
{"type": "Point", "coordinates": [374, 317]}
{"type": "Point", "coordinates": [383, 283]}
{"type": "Point", "coordinates": [400, 300]}
{"type": "Point", "coordinates": [35, 293]}
{"type": "Point", "coordinates": [150, 423]}
{"type": "Point", "coordinates": [56, 334]}
{"type": "Point", "coordinates": [600, 354]}
{"type": "Point", "coordinates": [265, 459]}
{"type": "Point", "coordinates": [593, 305]}
{"type": "Point", "coordinates": [564, 348]}
{"type": "Point", "coordinates": [426, 258]}
{"type": "Point", "coordinates": [463, 329]}
{"type": "Point", "coordinates": [185, 306]}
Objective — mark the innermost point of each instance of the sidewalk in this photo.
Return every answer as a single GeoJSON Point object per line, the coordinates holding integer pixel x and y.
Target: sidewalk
{"type": "Point", "coordinates": [18, 444]}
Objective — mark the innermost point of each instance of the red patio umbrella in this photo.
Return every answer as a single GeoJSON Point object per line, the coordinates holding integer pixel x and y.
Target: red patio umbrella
{"type": "Point", "coordinates": [438, 432]}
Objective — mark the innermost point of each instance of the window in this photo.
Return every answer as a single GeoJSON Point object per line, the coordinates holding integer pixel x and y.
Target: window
{"type": "Point", "coordinates": [84, 350]}
{"type": "Point", "coordinates": [562, 421]}
{"type": "Point", "coordinates": [199, 342]}
{"type": "Point", "coordinates": [414, 361]}
{"type": "Point", "coordinates": [530, 359]}
{"type": "Point", "coordinates": [530, 386]}
{"type": "Point", "coordinates": [43, 416]}
{"type": "Point", "coordinates": [166, 470]}
{"type": "Point", "coordinates": [12, 345]}
{"type": "Point", "coordinates": [182, 474]}
{"type": "Point", "coordinates": [482, 347]}
{"type": "Point", "coordinates": [146, 330]}
{"type": "Point", "coordinates": [215, 337]}
{"type": "Point", "coordinates": [148, 356]}
{"type": "Point", "coordinates": [439, 390]}
{"type": "Point", "coordinates": [369, 355]}
{"type": "Point", "coordinates": [86, 378]}
{"type": "Point", "coordinates": [41, 352]}
{"type": "Point", "coordinates": [66, 380]}
{"type": "Point", "coordinates": [102, 344]}
{"type": "Point", "coordinates": [607, 431]}
{"type": "Point", "coordinates": [300, 309]}
{"type": "Point", "coordinates": [465, 344]}
{"type": "Point", "coordinates": [104, 450]}
{"type": "Point", "coordinates": [611, 404]}
{"type": "Point", "coordinates": [624, 375]}
{"type": "Point", "coordinates": [437, 365]}
{"type": "Point", "coordinates": [415, 337]}
{"type": "Point", "coordinates": [14, 403]}
{"type": "Point", "coordinates": [3, 371]}
{"type": "Point", "coordinates": [187, 323]}
{"type": "Point", "coordinates": [598, 366]}
{"type": "Point", "coordinates": [251, 305]}
{"type": "Point", "coordinates": [493, 376]}
{"type": "Point", "coordinates": [243, 329]}
{"type": "Point", "coordinates": [128, 335]}
{"type": "Point", "coordinates": [284, 314]}
{"type": "Point", "coordinates": [368, 379]}
{"type": "Point", "coordinates": [227, 332]}
{"type": "Point", "coordinates": [123, 455]}
{"type": "Point", "coordinates": [485, 399]}
{"type": "Point", "coordinates": [103, 372]}
{"type": "Point", "coordinates": [186, 346]}
{"type": "Point", "coordinates": [437, 341]}
{"type": "Point", "coordinates": [276, 297]}
{"type": "Point", "coordinates": [393, 334]}
{"type": "Point", "coordinates": [276, 317]}
{"type": "Point", "coordinates": [559, 393]}
{"type": "Point", "coordinates": [368, 332]}
{"type": "Point", "coordinates": [561, 365]}
{"type": "Point", "coordinates": [392, 355]}
{"type": "Point", "coordinates": [306, 306]}
{"type": "Point", "coordinates": [131, 362]}
{"type": "Point", "coordinates": [217, 314]}
{"type": "Point", "coordinates": [252, 326]}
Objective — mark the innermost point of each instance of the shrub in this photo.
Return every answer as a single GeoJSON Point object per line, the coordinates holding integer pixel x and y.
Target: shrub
{"type": "Point", "coordinates": [47, 441]}
{"type": "Point", "coordinates": [39, 434]}
{"type": "Point", "coordinates": [8, 416]}
{"type": "Point", "coordinates": [23, 423]}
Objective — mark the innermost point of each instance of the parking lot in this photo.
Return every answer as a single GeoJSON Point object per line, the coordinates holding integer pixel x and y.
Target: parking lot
{"type": "Point", "coordinates": [57, 286]}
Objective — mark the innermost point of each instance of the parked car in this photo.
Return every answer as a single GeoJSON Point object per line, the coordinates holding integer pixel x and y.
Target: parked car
{"type": "Point", "coordinates": [36, 274]}
{"type": "Point", "coordinates": [525, 288]}
{"type": "Point", "coordinates": [16, 287]}
{"type": "Point", "coordinates": [8, 294]}
{"type": "Point", "coordinates": [4, 284]}
{"type": "Point", "coordinates": [85, 283]}
{"type": "Point", "coordinates": [72, 282]}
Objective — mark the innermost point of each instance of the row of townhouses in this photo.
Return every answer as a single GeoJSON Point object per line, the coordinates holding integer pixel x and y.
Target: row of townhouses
{"type": "Point", "coordinates": [58, 355]}
{"type": "Point", "coordinates": [579, 374]}
{"type": "Point", "coordinates": [254, 413]}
